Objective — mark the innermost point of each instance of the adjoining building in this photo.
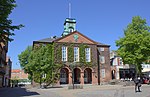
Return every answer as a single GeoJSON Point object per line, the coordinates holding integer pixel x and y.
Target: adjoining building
{"type": "Point", "coordinates": [121, 71]}
{"type": "Point", "coordinates": [146, 70]}
{"type": "Point", "coordinates": [18, 76]}
{"type": "Point", "coordinates": [7, 75]}
{"type": "Point", "coordinates": [89, 66]}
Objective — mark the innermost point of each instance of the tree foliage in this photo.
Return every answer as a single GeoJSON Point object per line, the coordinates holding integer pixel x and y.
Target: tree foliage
{"type": "Point", "coordinates": [134, 47]}
{"type": "Point", "coordinates": [24, 58]}
{"type": "Point", "coordinates": [41, 62]}
{"type": "Point", "coordinates": [6, 27]}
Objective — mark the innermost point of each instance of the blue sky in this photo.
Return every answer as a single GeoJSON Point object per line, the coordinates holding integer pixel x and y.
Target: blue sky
{"type": "Point", "coordinates": [100, 20]}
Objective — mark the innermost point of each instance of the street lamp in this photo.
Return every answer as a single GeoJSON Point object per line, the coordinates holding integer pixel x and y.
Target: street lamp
{"type": "Point", "coordinates": [72, 65]}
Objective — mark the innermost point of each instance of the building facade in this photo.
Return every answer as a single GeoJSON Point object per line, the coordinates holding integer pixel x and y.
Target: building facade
{"type": "Point", "coordinates": [84, 61]}
{"type": "Point", "coordinates": [19, 77]}
{"type": "Point", "coordinates": [3, 63]}
{"type": "Point", "coordinates": [7, 75]}
{"type": "Point", "coordinates": [18, 74]}
{"type": "Point", "coordinates": [121, 71]}
{"type": "Point", "coordinates": [146, 70]}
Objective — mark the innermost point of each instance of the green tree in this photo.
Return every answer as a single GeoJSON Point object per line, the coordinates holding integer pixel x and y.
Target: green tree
{"type": "Point", "coordinates": [24, 58]}
{"type": "Point", "coordinates": [41, 62]}
{"type": "Point", "coordinates": [134, 47]}
{"type": "Point", "coordinates": [24, 61]}
{"type": "Point", "coordinates": [6, 27]}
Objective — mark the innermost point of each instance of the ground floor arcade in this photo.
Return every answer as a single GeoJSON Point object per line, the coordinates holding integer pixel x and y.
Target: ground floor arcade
{"type": "Point", "coordinates": [78, 76]}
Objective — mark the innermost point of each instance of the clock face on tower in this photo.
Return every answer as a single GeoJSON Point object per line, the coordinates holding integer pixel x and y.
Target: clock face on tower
{"type": "Point", "coordinates": [76, 37]}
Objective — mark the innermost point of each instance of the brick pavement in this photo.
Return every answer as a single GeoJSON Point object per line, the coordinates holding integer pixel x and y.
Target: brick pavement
{"type": "Point", "coordinates": [88, 91]}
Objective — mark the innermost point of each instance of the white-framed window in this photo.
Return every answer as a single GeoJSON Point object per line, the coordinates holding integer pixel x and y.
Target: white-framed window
{"type": "Point", "coordinates": [103, 73]}
{"type": "Point", "coordinates": [102, 59]}
{"type": "Point", "coordinates": [88, 54]}
{"type": "Point", "coordinates": [76, 54]}
{"type": "Point", "coordinates": [64, 53]}
{"type": "Point", "coordinates": [120, 61]}
{"type": "Point", "coordinates": [101, 49]}
{"type": "Point", "coordinates": [44, 76]}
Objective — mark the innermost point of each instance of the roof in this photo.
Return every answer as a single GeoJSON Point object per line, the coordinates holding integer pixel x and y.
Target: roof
{"type": "Point", "coordinates": [73, 33]}
{"type": "Point", "coordinates": [52, 39]}
{"type": "Point", "coordinates": [101, 44]}
{"type": "Point", "coordinates": [15, 71]}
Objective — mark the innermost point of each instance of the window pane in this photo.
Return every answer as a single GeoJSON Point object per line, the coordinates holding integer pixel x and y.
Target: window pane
{"type": "Point", "coordinates": [76, 54]}
{"type": "Point", "coordinates": [88, 54]}
{"type": "Point", "coordinates": [102, 59]}
{"type": "Point", "coordinates": [103, 73]}
{"type": "Point", "coordinates": [64, 53]}
{"type": "Point", "coordinates": [101, 49]}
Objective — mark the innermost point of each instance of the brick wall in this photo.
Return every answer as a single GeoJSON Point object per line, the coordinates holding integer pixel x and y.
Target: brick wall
{"type": "Point", "coordinates": [106, 65]}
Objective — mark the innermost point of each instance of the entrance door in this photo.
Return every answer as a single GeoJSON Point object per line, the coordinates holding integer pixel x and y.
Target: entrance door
{"type": "Point", "coordinates": [87, 76]}
{"type": "Point", "coordinates": [63, 76]}
{"type": "Point", "coordinates": [76, 76]}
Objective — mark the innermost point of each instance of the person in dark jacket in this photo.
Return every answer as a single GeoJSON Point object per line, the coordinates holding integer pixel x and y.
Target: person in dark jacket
{"type": "Point", "coordinates": [137, 82]}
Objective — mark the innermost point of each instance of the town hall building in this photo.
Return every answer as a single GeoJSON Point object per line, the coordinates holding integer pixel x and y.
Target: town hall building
{"type": "Point", "coordinates": [88, 62]}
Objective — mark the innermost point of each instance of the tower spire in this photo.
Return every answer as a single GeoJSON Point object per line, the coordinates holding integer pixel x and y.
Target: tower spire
{"type": "Point", "coordinates": [70, 23]}
{"type": "Point", "coordinates": [69, 10]}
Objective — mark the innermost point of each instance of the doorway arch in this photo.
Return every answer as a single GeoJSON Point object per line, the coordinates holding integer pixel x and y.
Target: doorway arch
{"type": "Point", "coordinates": [87, 76]}
{"type": "Point", "coordinates": [64, 74]}
{"type": "Point", "coordinates": [77, 74]}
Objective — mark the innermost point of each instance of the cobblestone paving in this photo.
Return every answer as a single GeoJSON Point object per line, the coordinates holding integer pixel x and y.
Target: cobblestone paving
{"type": "Point", "coordinates": [88, 91]}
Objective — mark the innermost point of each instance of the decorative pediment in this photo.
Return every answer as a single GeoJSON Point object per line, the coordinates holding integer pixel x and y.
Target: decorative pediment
{"type": "Point", "coordinates": [75, 37]}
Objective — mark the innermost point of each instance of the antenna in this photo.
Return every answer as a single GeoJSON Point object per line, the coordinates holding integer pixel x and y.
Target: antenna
{"type": "Point", "coordinates": [69, 10]}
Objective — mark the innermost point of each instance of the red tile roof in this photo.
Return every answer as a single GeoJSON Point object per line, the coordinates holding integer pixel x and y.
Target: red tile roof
{"type": "Point", "coordinates": [15, 70]}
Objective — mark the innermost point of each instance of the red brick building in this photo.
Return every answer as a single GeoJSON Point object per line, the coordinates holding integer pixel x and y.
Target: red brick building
{"type": "Point", "coordinates": [18, 74]}
{"type": "Point", "coordinates": [97, 54]}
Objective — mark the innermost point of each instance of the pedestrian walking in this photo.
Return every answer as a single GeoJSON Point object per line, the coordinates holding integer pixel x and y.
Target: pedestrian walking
{"type": "Point", "coordinates": [137, 82]}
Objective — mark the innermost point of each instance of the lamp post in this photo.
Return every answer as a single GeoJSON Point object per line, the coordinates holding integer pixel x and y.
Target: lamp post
{"type": "Point", "coordinates": [72, 65]}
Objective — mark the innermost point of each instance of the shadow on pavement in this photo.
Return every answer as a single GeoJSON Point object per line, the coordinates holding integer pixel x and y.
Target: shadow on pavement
{"type": "Point", "coordinates": [16, 92]}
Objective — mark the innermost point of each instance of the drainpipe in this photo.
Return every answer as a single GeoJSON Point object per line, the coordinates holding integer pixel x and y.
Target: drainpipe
{"type": "Point", "coordinates": [98, 74]}
{"type": "Point", "coordinates": [98, 70]}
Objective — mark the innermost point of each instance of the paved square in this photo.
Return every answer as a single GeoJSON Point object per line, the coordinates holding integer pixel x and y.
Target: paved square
{"type": "Point", "coordinates": [88, 91]}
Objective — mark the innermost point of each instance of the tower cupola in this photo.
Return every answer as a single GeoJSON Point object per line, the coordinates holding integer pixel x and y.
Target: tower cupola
{"type": "Point", "coordinates": [69, 26]}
